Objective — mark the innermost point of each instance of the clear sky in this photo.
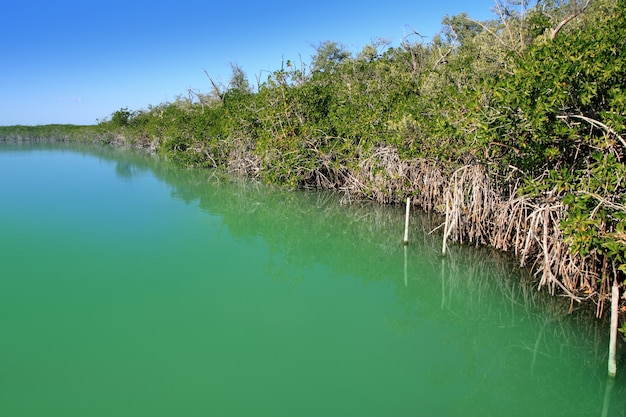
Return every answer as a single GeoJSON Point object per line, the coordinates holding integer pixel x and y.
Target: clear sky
{"type": "Point", "coordinates": [69, 61]}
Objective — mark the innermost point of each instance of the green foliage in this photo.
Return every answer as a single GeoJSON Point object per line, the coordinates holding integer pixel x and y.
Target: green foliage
{"type": "Point", "coordinates": [121, 117]}
{"type": "Point", "coordinates": [595, 222]}
{"type": "Point", "coordinates": [55, 132]}
{"type": "Point", "coordinates": [554, 85]}
{"type": "Point", "coordinates": [328, 55]}
{"type": "Point", "coordinates": [511, 93]}
{"type": "Point", "coordinates": [238, 80]}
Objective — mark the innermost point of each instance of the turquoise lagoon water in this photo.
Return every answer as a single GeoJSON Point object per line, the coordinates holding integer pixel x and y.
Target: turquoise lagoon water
{"type": "Point", "coordinates": [129, 287]}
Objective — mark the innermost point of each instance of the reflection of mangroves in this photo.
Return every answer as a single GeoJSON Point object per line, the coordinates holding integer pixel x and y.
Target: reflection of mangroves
{"type": "Point", "coordinates": [478, 288]}
{"type": "Point", "coordinates": [250, 209]}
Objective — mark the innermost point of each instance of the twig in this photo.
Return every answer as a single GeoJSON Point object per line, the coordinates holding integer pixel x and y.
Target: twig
{"type": "Point", "coordinates": [596, 123]}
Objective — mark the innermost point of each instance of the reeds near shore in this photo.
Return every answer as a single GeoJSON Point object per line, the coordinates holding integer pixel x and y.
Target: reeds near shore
{"type": "Point", "coordinates": [476, 211]}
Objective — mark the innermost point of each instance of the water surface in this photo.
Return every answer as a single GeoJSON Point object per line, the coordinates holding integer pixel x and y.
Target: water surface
{"type": "Point", "coordinates": [129, 287]}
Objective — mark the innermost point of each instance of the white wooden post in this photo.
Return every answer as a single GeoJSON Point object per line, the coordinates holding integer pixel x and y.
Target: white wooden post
{"type": "Point", "coordinates": [406, 221]}
{"type": "Point", "coordinates": [613, 334]}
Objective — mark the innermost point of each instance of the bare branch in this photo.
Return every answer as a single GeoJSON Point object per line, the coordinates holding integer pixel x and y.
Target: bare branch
{"type": "Point", "coordinates": [498, 38]}
{"type": "Point", "coordinates": [598, 124]}
{"type": "Point", "coordinates": [503, 18]}
{"type": "Point", "coordinates": [568, 19]}
{"type": "Point", "coordinates": [443, 58]}
{"type": "Point", "coordinates": [216, 89]}
{"type": "Point", "coordinates": [413, 32]}
{"type": "Point", "coordinates": [603, 202]}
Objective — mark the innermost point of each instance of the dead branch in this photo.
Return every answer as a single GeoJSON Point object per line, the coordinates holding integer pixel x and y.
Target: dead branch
{"type": "Point", "coordinates": [596, 123]}
{"type": "Point", "coordinates": [443, 58]}
{"type": "Point", "coordinates": [568, 19]}
{"type": "Point", "coordinates": [503, 19]}
{"type": "Point", "coordinates": [603, 202]}
{"type": "Point", "coordinates": [216, 89]}
{"type": "Point", "coordinates": [495, 35]}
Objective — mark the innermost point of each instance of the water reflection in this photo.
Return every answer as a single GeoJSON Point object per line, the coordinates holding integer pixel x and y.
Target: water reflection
{"type": "Point", "coordinates": [468, 276]}
{"type": "Point", "coordinates": [125, 170]}
{"type": "Point", "coordinates": [481, 292]}
{"type": "Point", "coordinates": [505, 345]}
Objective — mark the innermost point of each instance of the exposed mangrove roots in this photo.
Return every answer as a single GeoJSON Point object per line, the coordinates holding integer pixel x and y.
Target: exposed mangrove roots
{"type": "Point", "coordinates": [476, 211]}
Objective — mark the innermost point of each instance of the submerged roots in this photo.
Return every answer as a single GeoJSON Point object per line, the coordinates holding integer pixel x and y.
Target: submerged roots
{"type": "Point", "coordinates": [474, 208]}
{"type": "Point", "coordinates": [476, 211]}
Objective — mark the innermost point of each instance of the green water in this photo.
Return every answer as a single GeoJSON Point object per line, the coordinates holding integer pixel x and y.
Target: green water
{"type": "Point", "coordinates": [132, 288]}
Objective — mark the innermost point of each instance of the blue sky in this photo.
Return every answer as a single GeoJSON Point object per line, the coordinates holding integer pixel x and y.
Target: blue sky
{"type": "Point", "coordinates": [79, 61]}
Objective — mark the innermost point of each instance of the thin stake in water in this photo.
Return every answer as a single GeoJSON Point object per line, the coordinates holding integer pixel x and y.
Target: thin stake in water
{"type": "Point", "coordinates": [406, 221]}
{"type": "Point", "coordinates": [613, 334]}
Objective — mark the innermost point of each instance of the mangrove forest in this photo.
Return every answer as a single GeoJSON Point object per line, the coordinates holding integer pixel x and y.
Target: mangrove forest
{"type": "Point", "coordinates": [511, 129]}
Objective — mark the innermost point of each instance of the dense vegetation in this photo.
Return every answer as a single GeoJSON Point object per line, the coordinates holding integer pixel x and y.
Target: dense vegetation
{"type": "Point", "coordinates": [512, 128]}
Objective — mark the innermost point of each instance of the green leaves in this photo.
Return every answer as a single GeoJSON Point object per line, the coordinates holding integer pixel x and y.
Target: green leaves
{"type": "Point", "coordinates": [595, 221]}
{"type": "Point", "coordinates": [581, 74]}
{"type": "Point", "coordinates": [121, 117]}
